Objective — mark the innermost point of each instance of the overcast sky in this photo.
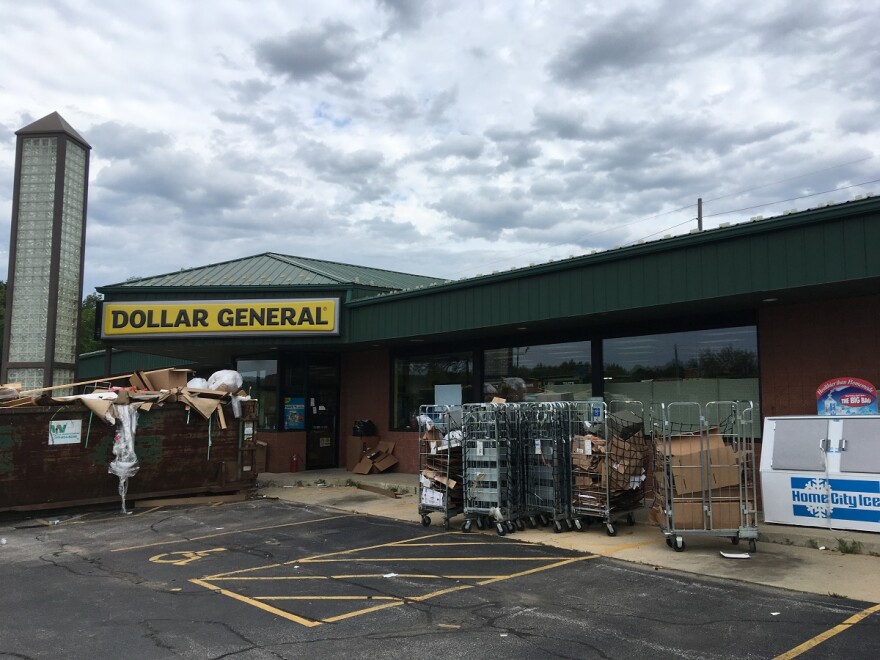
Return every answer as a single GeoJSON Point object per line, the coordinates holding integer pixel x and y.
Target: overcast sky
{"type": "Point", "coordinates": [447, 138]}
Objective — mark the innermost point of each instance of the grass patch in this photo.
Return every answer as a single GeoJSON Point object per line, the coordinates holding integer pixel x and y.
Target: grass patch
{"type": "Point", "coordinates": [849, 547]}
{"type": "Point", "coordinates": [813, 544]}
{"type": "Point", "coordinates": [351, 483]}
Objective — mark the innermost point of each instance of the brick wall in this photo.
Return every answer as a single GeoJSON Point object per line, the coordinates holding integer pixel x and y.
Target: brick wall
{"type": "Point", "coordinates": [803, 345]}
{"type": "Point", "coordinates": [366, 388]}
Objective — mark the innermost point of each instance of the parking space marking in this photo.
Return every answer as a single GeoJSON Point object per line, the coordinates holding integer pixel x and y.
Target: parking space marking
{"type": "Point", "coordinates": [250, 601]}
{"type": "Point", "coordinates": [183, 557]}
{"type": "Point", "coordinates": [237, 531]}
{"type": "Point", "coordinates": [476, 578]}
{"type": "Point", "coordinates": [828, 634]}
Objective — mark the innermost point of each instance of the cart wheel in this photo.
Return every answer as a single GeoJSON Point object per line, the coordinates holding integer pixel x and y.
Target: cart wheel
{"type": "Point", "coordinates": [543, 520]}
{"type": "Point", "coordinates": [578, 524]}
{"type": "Point", "coordinates": [426, 521]}
{"type": "Point", "coordinates": [520, 525]}
{"type": "Point", "coordinates": [734, 540]}
{"type": "Point", "coordinates": [557, 526]}
{"type": "Point", "coordinates": [481, 524]}
{"type": "Point", "coordinates": [531, 522]}
{"type": "Point", "coordinates": [630, 519]}
{"type": "Point", "coordinates": [669, 541]}
{"type": "Point", "coordinates": [466, 526]}
{"type": "Point", "coordinates": [569, 524]}
{"type": "Point", "coordinates": [678, 544]}
{"type": "Point", "coordinates": [753, 545]}
{"type": "Point", "coordinates": [499, 527]}
{"type": "Point", "coordinates": [511, 528]}
{"type": "Point", "coordinates": [610, 530]}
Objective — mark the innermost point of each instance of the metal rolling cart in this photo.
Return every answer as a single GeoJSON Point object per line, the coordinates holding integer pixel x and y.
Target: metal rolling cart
{"type": "Point", "coordinates": [705, 471]}
{"type": "Point", "coordinates": [440, 462]}
{"type": "Point", "coordinates": [492, 467]}
{"type": "Point", "coordinates": [610, 457]}
{"type": "Point", "coordinates": [546, 447]}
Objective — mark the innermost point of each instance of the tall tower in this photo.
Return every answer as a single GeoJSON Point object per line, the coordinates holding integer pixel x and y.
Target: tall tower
{"type": "Point", "coordinates": [44, 286]}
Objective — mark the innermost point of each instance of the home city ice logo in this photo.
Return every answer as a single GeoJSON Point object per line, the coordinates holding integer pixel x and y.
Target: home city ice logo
{"type": "Point", "coordinates": [838, 499]}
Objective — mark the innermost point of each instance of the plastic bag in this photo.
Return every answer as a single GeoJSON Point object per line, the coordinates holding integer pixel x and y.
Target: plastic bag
{"type": "Point", "coordinates": [226, 380]}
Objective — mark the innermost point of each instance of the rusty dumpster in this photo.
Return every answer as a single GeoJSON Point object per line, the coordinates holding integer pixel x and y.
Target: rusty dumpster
{"type": "Point", "coordinates": [178, 452]}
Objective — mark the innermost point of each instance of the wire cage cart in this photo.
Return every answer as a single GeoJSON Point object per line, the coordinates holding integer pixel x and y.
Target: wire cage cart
{"type": "Point", "coordinates": [492, 467]}
{"type": "Point", "coordinates": [546, 450]}
{"type": "Point", "coordinates": [610, 458]}
{"type": "Point", "coordinates": [705, 471]}
{"type": "Point", "coordinates": [440, 462]}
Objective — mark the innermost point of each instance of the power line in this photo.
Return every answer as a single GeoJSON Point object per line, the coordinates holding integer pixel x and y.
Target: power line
{"type": "Point", "coordinates": [711, 215]}
{"type": "Point", "coordinates": [791, 199]}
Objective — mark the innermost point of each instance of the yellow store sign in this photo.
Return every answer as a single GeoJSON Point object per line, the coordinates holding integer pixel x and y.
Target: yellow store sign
{"type": "Point", "coordinates": [252, 317]}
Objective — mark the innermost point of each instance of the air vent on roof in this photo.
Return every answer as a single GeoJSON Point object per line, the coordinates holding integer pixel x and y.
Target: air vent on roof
{"type": "Point", "coordinates": [695, 230]}
{"type": "Point", "coordinates": [592, 252]}
{"type": "Point", "coordinates": [641, 241]}
{"type": "Point", "coordinates": [755, 218]}
{"type": "Point", "coordinates": [723, 224]}
{"type": "Point", "coordinates": [668, 236]}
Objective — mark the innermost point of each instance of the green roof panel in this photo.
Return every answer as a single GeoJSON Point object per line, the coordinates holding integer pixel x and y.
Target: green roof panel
{"type": "Point", "coordinates": [278, 270]}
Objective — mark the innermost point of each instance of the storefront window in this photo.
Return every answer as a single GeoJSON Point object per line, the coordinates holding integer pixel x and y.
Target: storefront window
{"type": "Point", "coordinates": [428, 380]}
{"type": "Point", "coordinates": [260, 380]}
{"type": "Point", "coordinates": [529, 373]}
{"type": "Point", "coordinates": [698, 366]}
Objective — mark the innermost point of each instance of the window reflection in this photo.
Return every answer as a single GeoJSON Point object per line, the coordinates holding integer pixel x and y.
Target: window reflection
{"type": "Point", "coordinates": [529, 373]}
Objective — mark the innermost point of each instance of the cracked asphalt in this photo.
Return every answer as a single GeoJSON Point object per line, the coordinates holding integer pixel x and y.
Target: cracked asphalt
{"type": "Point", "coordinates": [272, 579]}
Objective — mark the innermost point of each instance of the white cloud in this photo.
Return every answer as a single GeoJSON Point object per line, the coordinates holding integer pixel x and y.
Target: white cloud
{"type": "Point", "coordinates": [497, 133]}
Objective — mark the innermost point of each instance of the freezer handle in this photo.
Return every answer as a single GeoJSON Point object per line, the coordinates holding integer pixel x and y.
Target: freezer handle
{"type": "Point", "coordinates": [843, 444]}
{"type": "Point", "coordinates": [824, 444]}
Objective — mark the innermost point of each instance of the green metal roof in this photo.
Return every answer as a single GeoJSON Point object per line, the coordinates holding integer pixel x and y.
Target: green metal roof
{"type": "Point", "coordinates": [278, 270]}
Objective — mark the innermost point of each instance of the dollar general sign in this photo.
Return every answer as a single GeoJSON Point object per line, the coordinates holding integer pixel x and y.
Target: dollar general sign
{"type": "Point", "coordinates": [254, 317]}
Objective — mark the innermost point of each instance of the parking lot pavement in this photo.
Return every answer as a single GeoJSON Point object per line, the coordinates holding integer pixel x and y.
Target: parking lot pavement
{"type": "Point", "coordinates": [264, 579]}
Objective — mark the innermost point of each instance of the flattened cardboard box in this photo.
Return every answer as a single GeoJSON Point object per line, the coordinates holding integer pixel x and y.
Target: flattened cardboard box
{"type": "Point", "coordinates": [379, 460]}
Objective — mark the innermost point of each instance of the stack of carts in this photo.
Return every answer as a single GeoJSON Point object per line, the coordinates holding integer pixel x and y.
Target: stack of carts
{"type": "Point", "coordinates": [610, 458]}
{"type": "Point", "coordinates": [546, 432]}
{"type": "Point", "coordinates": [492, 467]}
{"type": "Point", "coordinates": [440, 462]}
{"type": "Point", "coordinates": [705, 471]}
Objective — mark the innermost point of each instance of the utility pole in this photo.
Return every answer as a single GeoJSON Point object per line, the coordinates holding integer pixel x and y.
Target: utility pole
{"type": "Point", "coordinates": [700, 213]}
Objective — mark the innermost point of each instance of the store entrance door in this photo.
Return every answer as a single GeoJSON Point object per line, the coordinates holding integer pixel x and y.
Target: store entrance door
{"type": "Point", "coordinates": [322, 402]}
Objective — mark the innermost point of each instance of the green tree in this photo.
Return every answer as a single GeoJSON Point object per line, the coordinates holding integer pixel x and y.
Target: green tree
{"type": "Point", "coordinates": [85, 338]}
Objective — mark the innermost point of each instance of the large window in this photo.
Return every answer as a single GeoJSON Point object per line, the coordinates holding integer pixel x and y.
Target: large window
{"type": "Point", "coordinates": [260, 381]}
{"type": "Point", "coordinates": [418, 381]}
{"type": "Point", "coordinates": [274, 382]}
{"type": "Point", "coordinates": [529, 373]}
{"type": "Point", "coordinates": [699, 366]}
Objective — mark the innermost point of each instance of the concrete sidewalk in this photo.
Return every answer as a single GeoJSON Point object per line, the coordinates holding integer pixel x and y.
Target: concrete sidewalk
{"type": "Point", "coordinates": [788, 557]}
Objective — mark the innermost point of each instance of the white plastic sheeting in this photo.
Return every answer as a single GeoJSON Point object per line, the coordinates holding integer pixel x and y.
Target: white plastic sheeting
{"type": "Point", "coordinates": [125, 463]}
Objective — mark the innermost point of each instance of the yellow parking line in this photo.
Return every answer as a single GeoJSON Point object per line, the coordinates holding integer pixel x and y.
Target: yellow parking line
{"type": "Point", "coordinates": [441, 592]}
{"type": "Point", "coordinates": [382, 559]}
{"type": "Point", "coordinates": [828, 634]}
{"type": "Point", "coordinates": [334, 619]}
{"type": "Point", "coordinates": [326, 598]}
{"type": "Point", "coordinates": [369, 547]}
{"type": "Point", "coordinates": [263, 606]}
{"type": "Point", "coordinates": [413, 576]}
{"type": "Point", "coordinates": [237, 531]}
{"type": "Point", "coordinates": [536, 570]}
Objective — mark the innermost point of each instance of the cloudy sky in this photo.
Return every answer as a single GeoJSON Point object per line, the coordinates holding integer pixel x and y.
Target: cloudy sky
{"type": "Point", "coordinates": [447, 138]}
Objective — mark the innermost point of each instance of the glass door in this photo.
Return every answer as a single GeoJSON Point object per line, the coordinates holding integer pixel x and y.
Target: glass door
{"type": "Point", "coordinates": [322, 401]}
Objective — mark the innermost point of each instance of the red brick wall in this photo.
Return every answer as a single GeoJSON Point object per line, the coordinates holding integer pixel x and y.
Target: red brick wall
{"type": "Point", "coordinates": [803, 345]}
{"type": "Point", "coordinates": [281, 446]}
{"type": "Point", "coordinates": [366, 391]}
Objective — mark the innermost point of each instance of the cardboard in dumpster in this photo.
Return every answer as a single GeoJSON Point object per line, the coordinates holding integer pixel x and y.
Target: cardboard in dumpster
{"type": "Point", "coordinates": [160, 379]}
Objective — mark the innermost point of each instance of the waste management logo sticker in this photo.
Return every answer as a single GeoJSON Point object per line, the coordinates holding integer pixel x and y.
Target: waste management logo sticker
{"type": "Point", "coordinates": [65, 431]}
{"type": "Point", "coordinates": [838, 499]}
